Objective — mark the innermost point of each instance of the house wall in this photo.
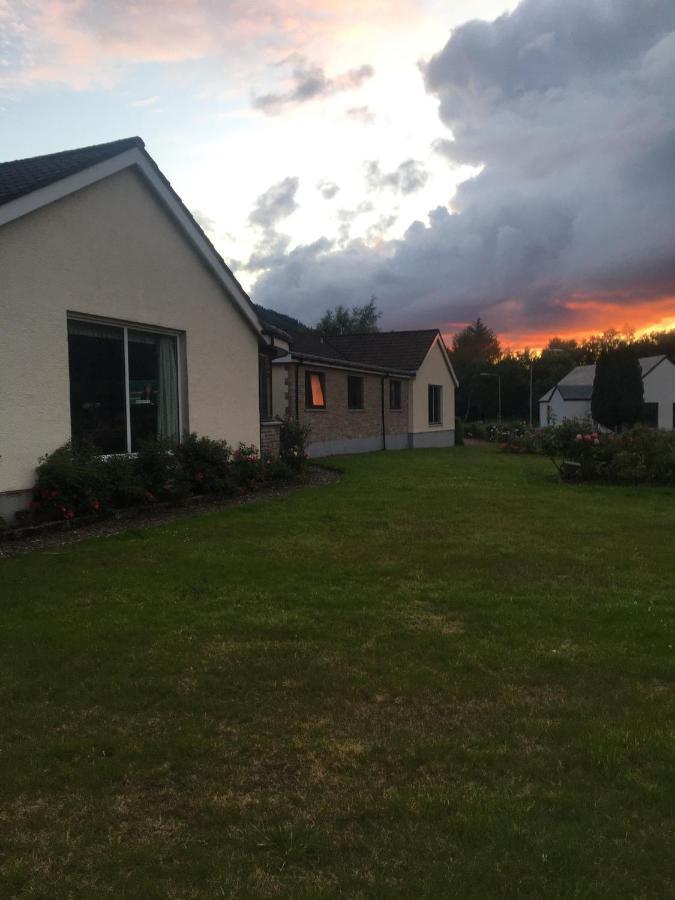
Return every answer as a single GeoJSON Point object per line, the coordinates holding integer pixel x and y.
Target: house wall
{"type": "Point", "coordinates": [659, 387]}
{"type": "Point", "coordinates": [564, 409]}
{"type": "Point", "coordinates": [434, 370]}
{"type": "Point", "coordinates": [338, 429]}
{"type": "Point", "coordinates": [111, 250]}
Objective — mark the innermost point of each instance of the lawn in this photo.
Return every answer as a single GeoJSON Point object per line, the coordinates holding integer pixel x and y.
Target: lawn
{"type": "Point", "coordinates": [446, 675]}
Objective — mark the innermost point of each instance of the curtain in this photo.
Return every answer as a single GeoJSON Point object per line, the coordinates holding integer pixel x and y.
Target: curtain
{"type": "Point", "coordinates": [167, 414]}
{"type": "Point", "coordinates": [93, 329]}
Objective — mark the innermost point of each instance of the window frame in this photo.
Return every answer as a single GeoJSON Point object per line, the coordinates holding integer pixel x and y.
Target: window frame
{"type": "Point", "coordinates": [432, 389]}
{"type": "Point", "coordinates": [309, 405]}
{"type": "Point", "coordinates": [351, 379]}
{"type": "Point", "coordinates": [126, 327]}
{"type": "Point", "coordinates": [395, 382]}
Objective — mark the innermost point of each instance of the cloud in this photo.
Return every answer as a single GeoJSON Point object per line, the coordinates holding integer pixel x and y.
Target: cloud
{"type": "Point", "coordinates": [327, 189]}
{"type": "Point", "coordinates": [361, 114]}
{"type": "Point", "coordinates": [409, 177]}
{"type": "Point", "coordinates": [274, 205]}
{"type": "Point", "coordinates": [94, 43]}
{"type": "Point", "coordinates": [278, 202]}
{"type": "Point", "coordinates": [309, 82]}
{"type": "Point", "coordinates": [567, 107]}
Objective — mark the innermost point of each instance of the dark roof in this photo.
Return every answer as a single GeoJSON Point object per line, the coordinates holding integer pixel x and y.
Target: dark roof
{"type": "Point", "coordinates": [23, 176]}
{"type": "Point", "coordinates": [387, 349]}
{"type": "Point", "coordinates": [311, 343]}
{"type": "Point", "coordinates": [402, 351]}
{"type": "Point", "coordinates": [575, 391]}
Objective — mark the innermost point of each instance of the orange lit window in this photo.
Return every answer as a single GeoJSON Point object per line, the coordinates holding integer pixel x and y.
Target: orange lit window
{"type": "Point", "coordinates": [315, 390]}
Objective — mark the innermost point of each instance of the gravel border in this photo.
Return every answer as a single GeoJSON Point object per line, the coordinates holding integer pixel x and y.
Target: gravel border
{"type": "Point", "coordinates": [53, 536]}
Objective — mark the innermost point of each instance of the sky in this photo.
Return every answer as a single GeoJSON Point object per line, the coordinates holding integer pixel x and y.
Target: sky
{"type": "Point", "coordinates": [513, 160]}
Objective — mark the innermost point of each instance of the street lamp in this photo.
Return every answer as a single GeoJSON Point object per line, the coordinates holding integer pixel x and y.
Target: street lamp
{"type": "Point", "coordinates": [549, 350]}
{"type": "Point", "coordinates": [499, 383]}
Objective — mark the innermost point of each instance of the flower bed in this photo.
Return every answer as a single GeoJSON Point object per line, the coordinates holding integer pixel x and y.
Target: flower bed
{"type": "Point", "coordinates": [76, 482]}
{"type": "Point", "coordinates": [640, 455]}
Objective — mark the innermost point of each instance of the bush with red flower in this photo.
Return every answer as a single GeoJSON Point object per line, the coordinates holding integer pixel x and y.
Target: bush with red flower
{"type": "Point", "coordinates": [75, 482]}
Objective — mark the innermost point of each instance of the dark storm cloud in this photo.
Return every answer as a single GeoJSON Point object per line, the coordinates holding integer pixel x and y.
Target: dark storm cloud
{"type": "Point", "coordinates": [311, 82]}
{"type": "Point", "coordinates": [569, 107]}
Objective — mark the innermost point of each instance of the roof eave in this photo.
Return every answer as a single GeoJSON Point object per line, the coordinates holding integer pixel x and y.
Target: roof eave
{"type": "Point", "coordinates": [297, 356]}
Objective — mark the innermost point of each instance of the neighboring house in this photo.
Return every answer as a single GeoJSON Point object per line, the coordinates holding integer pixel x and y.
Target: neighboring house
{"type": "Point", "coordinates": [571, 397]}
{"type": "Point", "coordinates": [120, 321]}
{"type": "Point", "coordinates": [363, 392]}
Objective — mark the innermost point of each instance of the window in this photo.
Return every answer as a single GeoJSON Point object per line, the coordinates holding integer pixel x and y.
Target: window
{"type": "Point", "coordinates": [354, 392]}
{"type": "Point", "coordinates": [123, 386]}
{"type": "Point", "coordinates": [315, 390]}
{"type": "Point", "coordinates": [265, 383]}
{"type": "Point", "coordinates": [435, 416]}
{"type": "Point", "coordinates": [394, 395]}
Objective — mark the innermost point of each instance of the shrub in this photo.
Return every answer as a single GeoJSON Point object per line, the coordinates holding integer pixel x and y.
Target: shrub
{"type": "Point", "coordinates": [121, 483]}
{"type": "Point", "coordinates": [248, 470]}
{"type": "Point", "coordinates": [76, 481]}
{"type": "Point", "coordinates": [206, 464]}
{"type": "Point", "coordinates": [68, 484]}
{"type": "Point", "coordinates": [639, 455]}
{"type": "Point", "coordinates": [159, 468]}
{"type": "Point", "coordinates": [293, 445]}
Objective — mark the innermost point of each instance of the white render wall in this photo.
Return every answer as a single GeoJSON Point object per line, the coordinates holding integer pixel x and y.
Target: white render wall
{"type": "Point", "coordinates": [564, 409]}
{"type": "Point", "coordinates": [659, 386]}
{"type": "Point", "coordinates": [434, 370]}
{"type": "Point", "coordinates": [111, 250]}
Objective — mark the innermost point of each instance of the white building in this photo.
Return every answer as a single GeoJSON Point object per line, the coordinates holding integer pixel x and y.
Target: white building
{"type": "Point", "coordinates": [571, 397]}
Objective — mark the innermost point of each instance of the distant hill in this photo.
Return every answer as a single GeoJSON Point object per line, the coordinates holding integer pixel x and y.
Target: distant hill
{"type": "Point", "coordinates": [279, 320]}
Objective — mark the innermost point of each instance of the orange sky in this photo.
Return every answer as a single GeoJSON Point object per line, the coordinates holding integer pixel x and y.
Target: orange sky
{"type": "Point", "coordinates": [589, 317]}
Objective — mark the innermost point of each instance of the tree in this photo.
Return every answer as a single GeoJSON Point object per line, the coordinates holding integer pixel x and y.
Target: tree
{"type": "Point", "coordinates": [476, 344]}
{"type": "Point", "coordinates": [357, 320]}
{"type": "Point", "coordinates": [475, 349]}
{"type": "Point", "coordinates": [618, 392]}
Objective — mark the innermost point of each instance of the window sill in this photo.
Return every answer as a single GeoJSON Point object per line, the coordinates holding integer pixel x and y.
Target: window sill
{"type": "Point", "coordinates": [435, 424]}
{"type": "Point", "coordinates": [315, 409]}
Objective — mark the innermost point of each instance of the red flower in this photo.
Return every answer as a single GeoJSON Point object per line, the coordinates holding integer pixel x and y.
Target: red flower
{"type": "Point", "coordinates": [199, 476]}
{"type": "Point", "coordinates": [97, 505]}
{"type": "Point", "coordinates": [70, 514]}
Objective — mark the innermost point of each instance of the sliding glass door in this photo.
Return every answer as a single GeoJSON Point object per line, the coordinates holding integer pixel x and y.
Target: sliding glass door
{"type": "Point", "coordinates": [123, 386]}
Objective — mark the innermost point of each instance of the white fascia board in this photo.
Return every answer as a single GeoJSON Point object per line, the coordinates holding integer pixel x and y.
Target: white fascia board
{"type": "Point", "coordinates": [15, 209]}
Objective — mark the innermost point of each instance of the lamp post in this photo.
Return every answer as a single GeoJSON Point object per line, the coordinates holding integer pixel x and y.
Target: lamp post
{"type": "Point", "coordinates": [550, 350]}
{"type": "Point", "coordinates": [499, 387]}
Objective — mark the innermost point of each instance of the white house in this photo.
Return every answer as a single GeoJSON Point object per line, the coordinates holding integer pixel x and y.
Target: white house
{"type": "Point", "coordinates": [571, 397]}
{"type": "Point", "coordinates": [119, 318]}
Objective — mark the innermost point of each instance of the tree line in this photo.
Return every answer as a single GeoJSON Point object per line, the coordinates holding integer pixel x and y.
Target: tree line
{"type": "Point", "coordinates": [476, 349]}
{"type": "Point", "coordinates": [476, 352]}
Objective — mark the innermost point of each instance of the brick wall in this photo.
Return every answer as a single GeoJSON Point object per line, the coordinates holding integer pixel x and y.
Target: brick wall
{"type": "Point", "coordinates": [269, 438]}
{"type": "Point", "coordinates": [339, 423]}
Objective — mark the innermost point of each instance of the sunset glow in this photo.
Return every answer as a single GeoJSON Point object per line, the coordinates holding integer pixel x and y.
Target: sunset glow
{"type": "Point", "coordinates": [337, 150]}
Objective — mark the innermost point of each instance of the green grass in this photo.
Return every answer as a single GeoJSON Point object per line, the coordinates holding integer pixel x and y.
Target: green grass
{"type": "Point", "coordinates": [444, 676]}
